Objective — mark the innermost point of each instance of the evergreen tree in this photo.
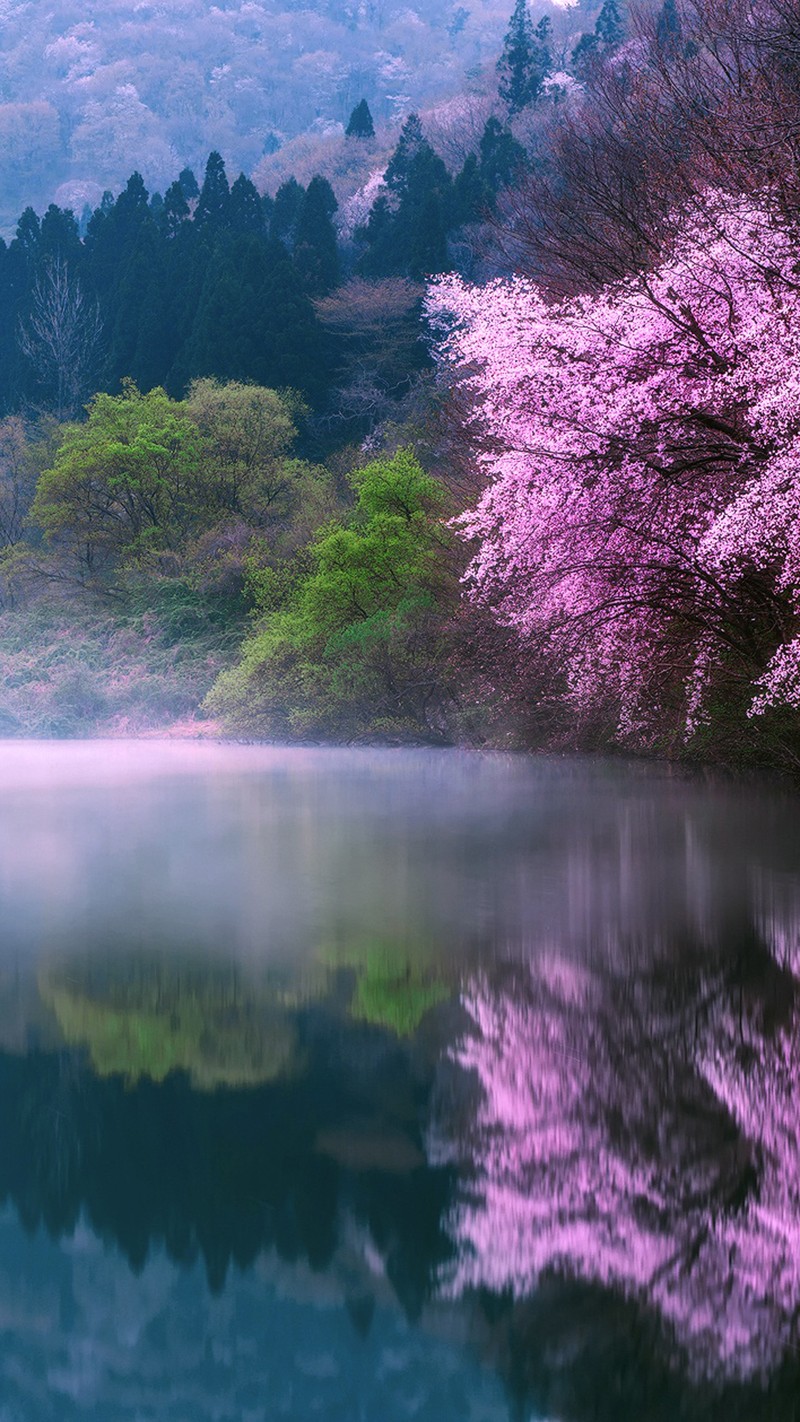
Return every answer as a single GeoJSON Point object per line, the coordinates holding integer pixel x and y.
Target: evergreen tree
{"type": "Point", "coordinates": [525, 60]}
{"type": "Point", "coordinates": [246, 208]}
{"type": "Point", "coordinates": [175, 210]}
{"type": "Point", "coordinates": [608, 33]}
{"type": "Point", "coordinates": [411, 240]}
{"type": "Point", "coordinates": [59, 237]}
{"type": "Point", "coordinates": [254, 322]}
{"type": "Point", "coordinates": [189, 185]}
{"type": "Point", "coordinates": [609, 27]}
{"type": "Point", "coordinates": [213, 205]}
{"type": "Point", "coordinates": [316, 255]}
{"type": "Point", "coordinates": [132, 296]}
{"type": "Point", "coordinates": [27, 233]}
{"type": "Point", "coordinates": [360, 124]}
{"type": "Point", "coordinates": [411, 140]}
{"type": "Point", "coordinates": [585, 53]}
{"type": "Point", "coordinates": [380, 258]}
{"type": "Point", "coordinates": [471, 194]}
{"type": "Point", "coordinates": [669, 28]}
{"type": "Point", "coordinates": [501, 157]}
{"type": "Point", "coordinates": [427, 249]}
{"type": "Point", "coordinates": [131, 209]}
{"type": "Point", "coordinates": [286, 211]}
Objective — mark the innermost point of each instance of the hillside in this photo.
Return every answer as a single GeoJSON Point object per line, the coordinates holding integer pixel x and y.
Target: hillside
{"type": "Point", "coordinates": [89, 91]}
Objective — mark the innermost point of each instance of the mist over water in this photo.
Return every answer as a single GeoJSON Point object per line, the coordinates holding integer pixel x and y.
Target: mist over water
{"type": "Point", "coordinates": [466, 1081]}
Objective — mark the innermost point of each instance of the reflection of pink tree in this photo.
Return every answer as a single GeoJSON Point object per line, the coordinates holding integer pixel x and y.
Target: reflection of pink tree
{"type": "Point", "coordinates": [625, 1140]}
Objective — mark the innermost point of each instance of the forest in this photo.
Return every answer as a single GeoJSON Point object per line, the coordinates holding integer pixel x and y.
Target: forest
{"type": "Point", "coordinates": [477, 428]}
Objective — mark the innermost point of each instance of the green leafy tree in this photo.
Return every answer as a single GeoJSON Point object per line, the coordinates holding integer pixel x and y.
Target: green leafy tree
{"type": "Point", "coordinates": [247, 432]}
{"type": "Point", "coordinates": [118, 491]}
{"type": "Point", "coordinates": [353, 644]}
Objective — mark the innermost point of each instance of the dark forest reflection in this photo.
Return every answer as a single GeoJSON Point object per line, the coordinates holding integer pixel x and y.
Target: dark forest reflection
{"type": "Point", "coordinates": [517, 1085]}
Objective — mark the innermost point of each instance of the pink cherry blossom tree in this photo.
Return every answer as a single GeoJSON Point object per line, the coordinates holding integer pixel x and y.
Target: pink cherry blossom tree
{"type": "Point", "coordinates": [638, 526]}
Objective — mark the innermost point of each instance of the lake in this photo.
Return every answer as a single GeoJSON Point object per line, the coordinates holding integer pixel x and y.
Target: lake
{"type": "Point", "coordinates": [369, 1084]}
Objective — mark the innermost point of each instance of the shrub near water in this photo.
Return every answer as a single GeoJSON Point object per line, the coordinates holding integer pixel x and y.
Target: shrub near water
{"type": "Point", "coordinates": [353, 640]}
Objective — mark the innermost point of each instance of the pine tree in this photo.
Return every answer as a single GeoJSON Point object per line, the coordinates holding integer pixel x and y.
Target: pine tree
{"type": "Point", "coordinates": [213, 205]}
{"type": "Point", "coordinates": [131, 209]}
{"type": "Point", "coordinates": [246, 209]}
{"type": "Point", "coordinates": [472, 196]}
{"type": "Point", "coordinates": [501, 157]}
{"type": "Point", "coordinates": [427, 248]}
{"type": "Point", "coordinates": [59, 238]}
{"type": "Point", "coordinates": [189, 184]}
{"type": "Point", "coordinates": [525, 60]}
{"type": "Point", "coordinates": [609, 31]}
{"type": "Point", "coordinates": [360, 124]}
{"type": "Point", "coordinates": [286, 211]}
{"type": "Point", "coordinates": [609, 27]}
{"type": "Point", "coordinates": [379, 260]}
{"type": "Point", "coordinates": [316, 254]}
{"type": "Point", "coordinates": [669, 28]}
{"type": "Point", "coordinates": [175, 210]}
{"type": "Point", "coordinates": [410, 141]}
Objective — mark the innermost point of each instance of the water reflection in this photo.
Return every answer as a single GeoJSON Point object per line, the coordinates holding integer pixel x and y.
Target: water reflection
{"type": "Point", "coordinates": [471, 1080]}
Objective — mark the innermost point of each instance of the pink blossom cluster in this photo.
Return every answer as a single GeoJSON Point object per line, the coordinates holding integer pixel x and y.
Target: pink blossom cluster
{"type": "Point", "coordinates": [639, 524]}
{"type": "Point", "coordinates": [601, 1149]}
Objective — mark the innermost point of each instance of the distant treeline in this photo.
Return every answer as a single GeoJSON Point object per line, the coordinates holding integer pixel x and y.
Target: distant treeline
{"type": "Point", "coordinates": [213, 279]}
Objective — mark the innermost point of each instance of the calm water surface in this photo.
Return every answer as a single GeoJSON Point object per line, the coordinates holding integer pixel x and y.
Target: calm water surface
{"type": "Point", "coordinates": [387, 1085]}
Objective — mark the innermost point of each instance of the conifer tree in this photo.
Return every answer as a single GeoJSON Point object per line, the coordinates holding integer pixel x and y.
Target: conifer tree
{"type": "Point", "coordinates": [668, 28]}
{"type": "Point", "coordinates": [189, 184]}
{"type": "Point", "coordinates": [609, 26]}
{"type": "Point", "coordinates": [246, 209]}
{"type": "Point", "coordinates": [501, 157]}
{"type": "Point", "coordinates": [411, 140]}
{"type": "Point", "coordinates": [175, 210]}
{"type": "Point", "coordinates": [213, 205]}
{"type": "Point", "coordinates": [525, 60]}
{"type": "Point", "coordinates": [471, 194]}
{"type": "Point", "coordinates": [316, 255]}
{"type": "Point", "coordinates": [360, 124]}
{"type": "Point", "coordinates": [286, 211]}
{"type": "Point", "coordinates": [608, 33]}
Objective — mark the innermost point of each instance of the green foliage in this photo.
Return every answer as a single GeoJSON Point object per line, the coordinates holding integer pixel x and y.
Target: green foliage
{"type": "Point", "coordinates": [146, 476]}
{"type": "Point", "coordinates": [357, 645]}
{"type": "Point", "coordinates": [199, 1020]}
{"type": "Point", "coordinates": [119, 488]}
{"type": "Point", "coordinates": [396, 984]}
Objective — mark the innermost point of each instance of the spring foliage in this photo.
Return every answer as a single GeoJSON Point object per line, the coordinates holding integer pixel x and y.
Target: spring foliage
{"type": "Point", "coordinates": [352, 639]}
